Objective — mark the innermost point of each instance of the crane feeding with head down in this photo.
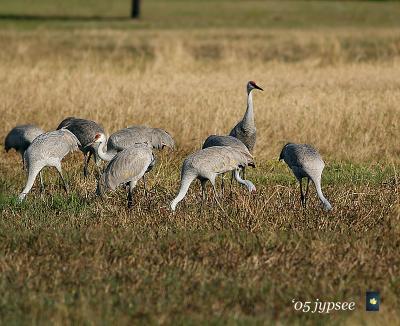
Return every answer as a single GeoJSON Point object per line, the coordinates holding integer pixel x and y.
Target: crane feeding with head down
{"type": "Point", "coordinates": [48, 149]}
{"type": "Point", "coordinates": [215, 140]}
{"type": "Point", "coordinates": [305, 162]}
{"type": "Point", "coordinates": [127, 167]}
{"type": "Point", "coordinates": [207, 164]}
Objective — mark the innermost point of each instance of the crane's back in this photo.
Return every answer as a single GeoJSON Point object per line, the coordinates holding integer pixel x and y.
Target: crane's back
{"type": "Point", "coordinates": [84, 130]}
{"type": "Point", "coordinates": [302, 156]}
{"type": "Point", "coordinates": [216, 159]}
{"type": "Point", "coordinates": [125, 138]}
{"type": "Point", "coordinates": [130, 163]}
{"type": "Point", "coordinates": [215, 140]}
{"type": "Point", "coordinates": [52, 145]}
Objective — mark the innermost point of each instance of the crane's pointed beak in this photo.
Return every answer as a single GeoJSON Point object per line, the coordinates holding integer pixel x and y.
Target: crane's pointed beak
{"type": "Point", "coordinates": [258, 87]}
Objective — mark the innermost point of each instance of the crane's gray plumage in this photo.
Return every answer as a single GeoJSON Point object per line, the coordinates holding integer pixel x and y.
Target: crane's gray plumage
{"type": "Point", "coordinates": [216, 140]}
{"type": "Point", "coordinates": [207, 163]}
{"type": "Point", "coordinates": [110, 153]}
{"type": "Point", "coordinates": [305, 162]}
{"type": "Point", "coordinates": [48, 149]}
{"type": "Point", "coordinates": [245, 130]}
{"type": "Point", "coordinates": [127, 166]}
{"type": "Point", "coordinates": [155, 137]}
{"type": "Point", "coordinates": [85, 130]}
{"type": "Point", "coordinates": [21, 137]}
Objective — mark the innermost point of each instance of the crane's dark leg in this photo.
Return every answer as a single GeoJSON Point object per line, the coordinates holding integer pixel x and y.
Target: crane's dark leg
{"type": "Point", "coordinates": [301, 192]}
{"type": "Point", "coordinates": [86, 160]}
{"type": "Point", "coordinates": [62, 178]}
{"type": "Point", "coordinates": [23, 160]}
{"type": "Point", "coordinates": [130, 195]}
{"type": "Point", "coordinates": [305, 196]}
{"type": "Point", "coordinates": [244, 173]}
{"type": "Point", "coordinates": [222, 184]}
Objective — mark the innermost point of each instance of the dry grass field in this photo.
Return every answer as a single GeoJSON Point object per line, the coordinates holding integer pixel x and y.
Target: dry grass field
{"type": "Point", "coordinates": [79, 259]}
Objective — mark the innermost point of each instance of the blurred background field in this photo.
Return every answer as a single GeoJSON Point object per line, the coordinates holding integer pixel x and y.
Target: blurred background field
{"type": "Point", "coordinates": [330, 70]}
{"type": "Point", "coordinates": [184, 14]}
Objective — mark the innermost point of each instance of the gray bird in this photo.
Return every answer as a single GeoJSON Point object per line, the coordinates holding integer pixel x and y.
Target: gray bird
{"type": "Point", "coordinates": [215, 140]}
{"type": "Point", "coordinates": [245, 130]}
{"type": "Point", "coordinates": [48, 149]}
{"type": "Point", "coordinates": [21, 137]}
{"type": "Point", "coordinates": [124, 138]}
{"type": "Point", "coordinates": [127, 167]}
{"type": "Point", "coordinates": [84, 130]}
{"type": "Point", "coordinates": [305, 162]}
{"type": "Point", "coordinates": [207, 164]}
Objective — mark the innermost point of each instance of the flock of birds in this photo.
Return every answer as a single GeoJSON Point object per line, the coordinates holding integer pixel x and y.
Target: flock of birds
{"type": "Point", "coordinates": [130, 155]}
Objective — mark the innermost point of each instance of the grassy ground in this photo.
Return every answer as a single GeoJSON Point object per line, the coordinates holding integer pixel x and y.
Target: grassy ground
{"type": "Point", "coordinates": [78, 259]}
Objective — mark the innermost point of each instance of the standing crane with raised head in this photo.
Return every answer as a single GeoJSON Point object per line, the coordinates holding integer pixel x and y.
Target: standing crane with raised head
{"type": "Point", "coordinates": [305, 162]}
{"type": "Point", "coordinates": [207, 164]}
{"type": "Point", "coordinates": [155, 137]}
{"type": "Point", "coordinates": [127, 167]}
{"type": "Point", "coordinates": [84, 130]}
{"type": "Point", "coordinates": [21, 137]}
{"type": "Point", "coordinates": [245, 130]}
{"type": "Point", "coordinates": [48, 149]}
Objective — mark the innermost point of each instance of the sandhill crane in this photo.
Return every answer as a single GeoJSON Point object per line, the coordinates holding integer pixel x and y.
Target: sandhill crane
{"type": "Point", "coordinates": [127, 167]}
{"type": "Point", "coordinates": [84, 130]}
{"type": "Point", "coordinates": [305, 162]}
{"type": "Point", "coordinates": [21, 137]}
{"type": "Point", "coordinates": [108, 154]}
{"type": "Point", "coordinates": [124, 138]}
{"type": "Point", "coordinates": [48, 149]}
{"type": "Point", "coordinates": [215, 140]}
{"type": "Point", "coordinates": [245, 130]}
{"type": "Point", "coordinates": [206, 164]}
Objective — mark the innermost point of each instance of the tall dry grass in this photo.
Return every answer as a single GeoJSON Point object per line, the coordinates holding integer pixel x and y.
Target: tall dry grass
{"type": "Point", "coordinates": [337, 90]}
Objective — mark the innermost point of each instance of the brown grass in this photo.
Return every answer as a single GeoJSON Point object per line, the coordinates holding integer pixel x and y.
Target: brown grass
{"type": "Point", "coordinates": [78, 259]}
{"type": "Point", "coordinates": [165, 80]}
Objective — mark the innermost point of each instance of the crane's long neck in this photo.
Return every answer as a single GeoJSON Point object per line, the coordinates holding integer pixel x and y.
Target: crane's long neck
{"type": "Point", "coordinates": [250, 186]}
{"type": "Point", "coordinates": [248, 119]}
{"type": "Point", "coordinates": [105, 155]}
{"type": "Point", "coordinates": [186, 180]}
{"type": "Point", "coordinates": [325, 202]}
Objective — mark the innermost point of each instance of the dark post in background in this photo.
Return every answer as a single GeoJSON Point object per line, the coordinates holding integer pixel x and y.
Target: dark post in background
{"type": "Point", "coordinates": [135, 13]}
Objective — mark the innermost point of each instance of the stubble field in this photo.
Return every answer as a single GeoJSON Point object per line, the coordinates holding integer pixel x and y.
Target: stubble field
{"type": "Point", "coordinates": [77, 258]}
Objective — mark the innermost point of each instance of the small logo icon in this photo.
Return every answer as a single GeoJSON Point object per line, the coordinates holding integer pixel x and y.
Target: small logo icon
{"type": "Point", "coordinates": [372, 301]}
